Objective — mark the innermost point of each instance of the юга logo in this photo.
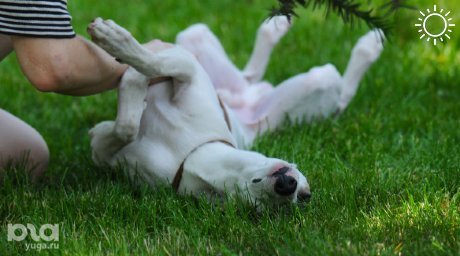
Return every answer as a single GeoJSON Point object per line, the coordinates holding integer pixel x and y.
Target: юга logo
{"type": "Point", "coordinates": [24, 231]}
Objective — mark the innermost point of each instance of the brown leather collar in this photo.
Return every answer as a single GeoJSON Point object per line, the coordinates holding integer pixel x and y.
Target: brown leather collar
{"type": "Point", "coordinates": [227, 120]}
{"type": "Point", "coordinates": [180, 171]}
{"type": "Point", "coordinates": [178, 177]}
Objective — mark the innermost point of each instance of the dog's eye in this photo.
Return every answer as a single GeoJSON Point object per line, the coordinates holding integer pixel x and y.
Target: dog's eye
{"type": "Point", "coordinates": [256, 180]}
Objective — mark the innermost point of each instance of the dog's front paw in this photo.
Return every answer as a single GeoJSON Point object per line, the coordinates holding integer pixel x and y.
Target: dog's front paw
{"type": "Point", "coordinates": [275, 28]}
{"type": "Point", "coordinates": [116, 40]}
{"type": "Point", "coordinates": [101, 135]}
{"type": "Point", "coordinates": [126, 132]}
{"type": "Point", "coordinates": [370, 45]}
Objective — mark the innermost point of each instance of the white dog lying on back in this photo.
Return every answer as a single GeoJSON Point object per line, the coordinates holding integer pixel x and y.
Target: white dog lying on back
{"type": "Point", "coordinates": [186, 136]}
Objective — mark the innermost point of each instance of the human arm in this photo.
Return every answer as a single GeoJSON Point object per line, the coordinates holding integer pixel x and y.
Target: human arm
{"type": "Point", "coordinates": [5, 46]}
{"type": "Point", "coordinates": [72, 66]}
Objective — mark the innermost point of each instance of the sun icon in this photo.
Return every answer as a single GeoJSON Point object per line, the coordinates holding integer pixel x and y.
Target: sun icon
{"type": "Point", "coordinates": [432, 16]}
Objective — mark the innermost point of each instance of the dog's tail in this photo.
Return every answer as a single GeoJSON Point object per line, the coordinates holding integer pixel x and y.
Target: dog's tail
{"type": "Point", "coordinates": [365, 52]}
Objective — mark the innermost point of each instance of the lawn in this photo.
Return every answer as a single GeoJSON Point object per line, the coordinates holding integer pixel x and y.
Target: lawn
{"type": "Point", "coordinates": [385, 175]}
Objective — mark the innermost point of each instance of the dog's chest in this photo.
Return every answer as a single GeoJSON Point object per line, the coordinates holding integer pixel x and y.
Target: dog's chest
{"type": "Point", "coordinates": [176, 121]}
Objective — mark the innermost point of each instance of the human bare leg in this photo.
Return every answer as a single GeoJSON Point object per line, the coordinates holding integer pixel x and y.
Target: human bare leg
{"type": "Point", "coordinates": [19, 142]}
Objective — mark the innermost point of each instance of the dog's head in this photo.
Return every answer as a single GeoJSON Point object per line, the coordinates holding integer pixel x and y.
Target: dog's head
{"type": "Point", "coordinates": [247, 174]}
{"type": "Point", "coordinates": [279, 183]}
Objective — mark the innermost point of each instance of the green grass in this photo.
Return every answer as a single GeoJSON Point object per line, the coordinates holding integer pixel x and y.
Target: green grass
{"type": "Point", "coordinates": [385, 175]}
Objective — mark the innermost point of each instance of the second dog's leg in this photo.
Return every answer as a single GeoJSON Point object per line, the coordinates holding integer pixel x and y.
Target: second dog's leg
{"type": "Point", "coordinates": [268, 35]}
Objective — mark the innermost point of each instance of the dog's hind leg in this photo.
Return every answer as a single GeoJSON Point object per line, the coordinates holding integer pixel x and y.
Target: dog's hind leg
{"type": "Point", "coordinates": [268, 35]}
{"type": "Point", "coordinates": [304, 97]}
{"type": "Point", "coordinates": [319, 92]}
{"type": "Point", "coordinates": [201, 42]}
{"type": "Point", "coordinates": [365, 52]}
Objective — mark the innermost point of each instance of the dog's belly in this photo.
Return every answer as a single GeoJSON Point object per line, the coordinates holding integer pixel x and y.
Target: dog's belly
{"type": "Point", "coordinates": [176, 120]}
{"type": "Point", "coordinates": [147, 161]}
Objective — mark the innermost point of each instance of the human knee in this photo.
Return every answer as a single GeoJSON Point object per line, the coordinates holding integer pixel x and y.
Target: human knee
{"type": "Point", "coordinates": [38, 158]}
{"type": "Point", "coordinates": [21, 145]}
{"type": "Point", "coordinates": [36, 154]}
{"type": "Point", "coordinates": [33, 156]}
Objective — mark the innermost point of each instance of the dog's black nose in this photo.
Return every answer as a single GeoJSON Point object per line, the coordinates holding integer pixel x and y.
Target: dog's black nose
{"type": "Point", "coordinates": [285, 185]}
{"type": "Point", "coordinates": [304, 196]}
